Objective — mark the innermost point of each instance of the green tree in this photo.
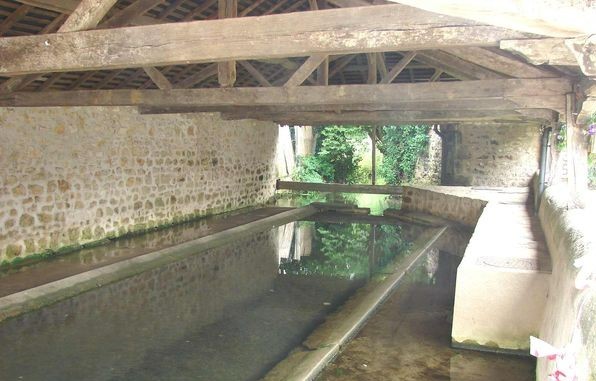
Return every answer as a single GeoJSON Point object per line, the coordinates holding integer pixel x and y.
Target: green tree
{"type": "Point", "coordinates": [335, 159]}
{"type": "Point", "coordinates": [401, 147]}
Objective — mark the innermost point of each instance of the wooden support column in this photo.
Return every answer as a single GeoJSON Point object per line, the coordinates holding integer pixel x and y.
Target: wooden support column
{"type": "Point", "coordinates": [372, 68]}
{"type": "Point", "coordinates": [226, 71]}
{"type": "Point", "coordinates": [374, 155]}
{"type": "Point", "coordinates": [577, 152]}
{"type": "Point", "coordinates": [323, 73]}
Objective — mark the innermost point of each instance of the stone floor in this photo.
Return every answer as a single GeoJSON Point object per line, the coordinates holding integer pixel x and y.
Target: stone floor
{"type": "Point", "coordinates": [409, 339]}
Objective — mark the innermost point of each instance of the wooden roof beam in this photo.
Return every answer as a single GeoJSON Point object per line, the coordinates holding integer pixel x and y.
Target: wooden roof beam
{"type": "Point", "coordinates": [520, 91]}
{"type": "Point", "coordinates": [284, 35]}
{"type": "Point", "coordinates": [86, 16]}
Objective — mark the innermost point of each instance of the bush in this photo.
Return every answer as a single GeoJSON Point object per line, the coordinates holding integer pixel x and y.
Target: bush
{"type": "Point", "coordinates": [401, 147]}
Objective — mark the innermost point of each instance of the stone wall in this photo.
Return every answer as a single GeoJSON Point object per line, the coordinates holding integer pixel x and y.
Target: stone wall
{"type": "Point", "coordinates": [492, 155]}
{"type": "Point", "coordinates": [74, 175]}
{"type": "Point", "coordinates": [428, 166]}
{"type": "Point", "coordinates": [570, 316]}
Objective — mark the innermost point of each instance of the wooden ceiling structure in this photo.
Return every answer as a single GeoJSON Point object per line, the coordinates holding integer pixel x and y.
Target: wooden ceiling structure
{"type": "Point", "coordinates": [299, 61]}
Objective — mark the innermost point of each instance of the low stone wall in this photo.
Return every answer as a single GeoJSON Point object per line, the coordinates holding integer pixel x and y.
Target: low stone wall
{"type": "Point", "coordinates": [570, 318]}
{"type": "Point", "coordinates": [452, 203]}
{"type": "Point", "coordinates": [74, 175]}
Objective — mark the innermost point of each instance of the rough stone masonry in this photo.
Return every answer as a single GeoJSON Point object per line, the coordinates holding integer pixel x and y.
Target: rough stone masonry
{"type": "Point", "coordinates": [75, 175]}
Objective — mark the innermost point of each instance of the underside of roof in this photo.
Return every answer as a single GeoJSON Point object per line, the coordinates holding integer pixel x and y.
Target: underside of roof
{"type": "Point", "coordinates": [449, 63]}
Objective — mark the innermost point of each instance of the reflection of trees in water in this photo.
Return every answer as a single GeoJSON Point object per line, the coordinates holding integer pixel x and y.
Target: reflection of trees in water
{"type": "Point", "coordinates": [345, 250]}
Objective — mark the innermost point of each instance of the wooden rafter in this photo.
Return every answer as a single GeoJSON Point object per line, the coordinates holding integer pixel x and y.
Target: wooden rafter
{"type": "Point", "coordinates": [209, 71]}
{"type": "Point", "coordinates": [256, 74]}
{"type": "Point", "coordinates": [160, 80]}
{"type": "Point", "coordinates": [399, 67]}
{"type": "Point", "coordinates": [244, 38]}
{"type": "Point", "coordinates": [14, 18]}
{"type": "Point", "coordinates": [306, 70]}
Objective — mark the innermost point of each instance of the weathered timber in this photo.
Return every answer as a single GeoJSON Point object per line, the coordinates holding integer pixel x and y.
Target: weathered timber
{"type": "Point", "coordinates": [398, 68]}
{"type": "Point", "coordinates": [333, 31]}
{"type": "Point", "coordinates": [255, 73]}
{"type": "Point", "coordinates": [226, 71]}
{"type": "Point", "coordinates": [549, 51]}
{"type": "Point", "coordinates": [514, 90]}
{"type": "Point", "coordinates": [548, 18]}
{"type": "Point", "coordinates": [306, 70]}
{"type": "Point", "coordinates": [86, 16]}
{"type": "Point", "coordinates": [500, 63]}
{"type": "Point", "coordinates": [323, 73]}
{"type": "Point", "coordinates": [383, 117]}
{"type": "Point", "coordinates": [343, 188]}
{"type": "Point", "coordinates": [551, 102]}
{"type": "Point", "coordinates": [158, 78]}
{"type": "Point", "coordinates": [455, 66]}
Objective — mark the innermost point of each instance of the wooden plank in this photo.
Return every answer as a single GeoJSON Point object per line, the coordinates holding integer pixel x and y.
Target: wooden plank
{"type": "Point", "coordinates": [500, 63]}
{"type": "Point", "coordinates": [543, 17]}
{"type": "Point", "coordinates": [338, 188]}
{"type": "Point", "coordinates": [283, 35]}
{"type": "Point", "coordinates": [158, 78]}
{"type": "Point", "coordinates": [514, 90]}
{"type": "Point", "coordinates": [436, 75]}
{"type": "Point", "coordinates": [399, 67]}
{"type": "Point", "coordinates": [255, 73]}
{"type": "Point", "coordinates": [305, 70]}
{"type": "Point", "coordinates": [226, 71]}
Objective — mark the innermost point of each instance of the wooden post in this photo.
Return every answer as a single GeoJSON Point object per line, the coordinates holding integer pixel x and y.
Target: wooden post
{"type": "Point", "coordinates": [374, 155]}
{"type": "Point", "coordinates": [577, 152]}
{"type": "Point", "coordinates": [226, 71]}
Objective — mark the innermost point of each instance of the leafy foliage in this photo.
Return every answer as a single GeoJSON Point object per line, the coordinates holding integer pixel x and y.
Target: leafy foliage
{"type": "Point", "coordinates": [401, 147]}
{"type": "Point", "coordinates": [336, 157]}
{"type": "Point", "coordinates": [592, 170]}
